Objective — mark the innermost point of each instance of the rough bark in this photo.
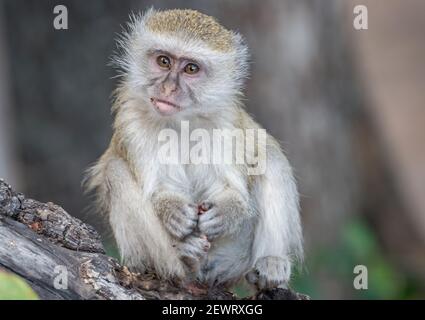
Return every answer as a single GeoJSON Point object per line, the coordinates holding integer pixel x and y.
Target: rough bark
{"type": "Point", "coordinates": [38, 237]}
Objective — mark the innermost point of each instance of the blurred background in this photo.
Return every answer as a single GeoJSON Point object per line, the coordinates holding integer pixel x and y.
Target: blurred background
{"type": "Point", "coordinates": [347, 105]}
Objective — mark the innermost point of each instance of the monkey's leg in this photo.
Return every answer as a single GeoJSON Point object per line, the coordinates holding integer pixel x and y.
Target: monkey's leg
{"type": "Point", "coordinates": [140, 235]}
{"type": "Point", "coordinates": [278, 236]}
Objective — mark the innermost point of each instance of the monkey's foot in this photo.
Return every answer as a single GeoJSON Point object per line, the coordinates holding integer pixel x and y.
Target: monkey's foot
{"type": "Point", "coordinates": [193, 251]}
{"type": "Point", "coordinates": [270, 272]}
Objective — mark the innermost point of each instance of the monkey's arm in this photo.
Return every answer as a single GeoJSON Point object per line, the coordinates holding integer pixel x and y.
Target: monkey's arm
{"type": "Point", "coordinates": [180, 217]}
{"type": "Point", "coordinates": [224, 213]}
{"type": "Point", "coordinates": [176, 211]}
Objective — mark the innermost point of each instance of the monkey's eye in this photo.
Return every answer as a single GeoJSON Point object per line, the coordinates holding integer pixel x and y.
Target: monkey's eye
{"type": "Point", "coordinates": [191, 68]}
{"type": "Point", "coordinates": [163, 62]}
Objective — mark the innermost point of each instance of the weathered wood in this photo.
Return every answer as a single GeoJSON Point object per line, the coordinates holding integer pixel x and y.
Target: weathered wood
{"type": "Point", "coordinates": [38, 237]}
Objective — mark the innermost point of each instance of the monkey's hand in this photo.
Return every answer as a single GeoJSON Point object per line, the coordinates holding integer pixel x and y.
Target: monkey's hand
{"type": "Point", "coordinates": [270, 272]}
{"type": "Point", "coordinates": [222, 215]}
{"type": "Point", "coordinates": [178, 215]}
{"type": "Point", "coordinates": [193, 250]}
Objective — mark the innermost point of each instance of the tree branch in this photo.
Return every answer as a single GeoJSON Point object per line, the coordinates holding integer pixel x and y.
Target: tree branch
{"type": "Point", "coordinates": [38, 237]}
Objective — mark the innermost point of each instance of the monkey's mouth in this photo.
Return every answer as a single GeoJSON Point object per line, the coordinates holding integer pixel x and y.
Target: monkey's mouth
{"type": "Point", "coordinates": [165, 107]}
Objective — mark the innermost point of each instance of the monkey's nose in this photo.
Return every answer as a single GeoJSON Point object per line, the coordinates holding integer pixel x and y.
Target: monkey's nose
{"type": "Point", "coordinates": [168, 89]}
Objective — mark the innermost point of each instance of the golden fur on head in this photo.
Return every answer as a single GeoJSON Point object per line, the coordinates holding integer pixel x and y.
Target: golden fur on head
{"type": "Point", "coordinates": [195, 24]}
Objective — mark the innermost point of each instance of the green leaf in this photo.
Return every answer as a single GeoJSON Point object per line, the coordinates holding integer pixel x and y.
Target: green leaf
{"type": "Point", "coordinates": [12, 287]}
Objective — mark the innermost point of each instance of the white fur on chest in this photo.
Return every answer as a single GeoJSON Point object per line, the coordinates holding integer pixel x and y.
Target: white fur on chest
{"type": "Point", "coordinates": [183, 173]}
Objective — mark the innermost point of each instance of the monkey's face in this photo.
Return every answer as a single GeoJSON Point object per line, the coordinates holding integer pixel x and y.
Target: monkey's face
{"type": "Point", "coordinates": [174, 81]}
{"type": "Point", "coordinates": [185, 79]}
{"type": "Point", "coordinates": [176, 65]}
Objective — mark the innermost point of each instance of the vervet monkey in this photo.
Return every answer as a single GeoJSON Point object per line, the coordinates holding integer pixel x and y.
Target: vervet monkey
{"type": "Point", "coordinates": [214, 223]}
